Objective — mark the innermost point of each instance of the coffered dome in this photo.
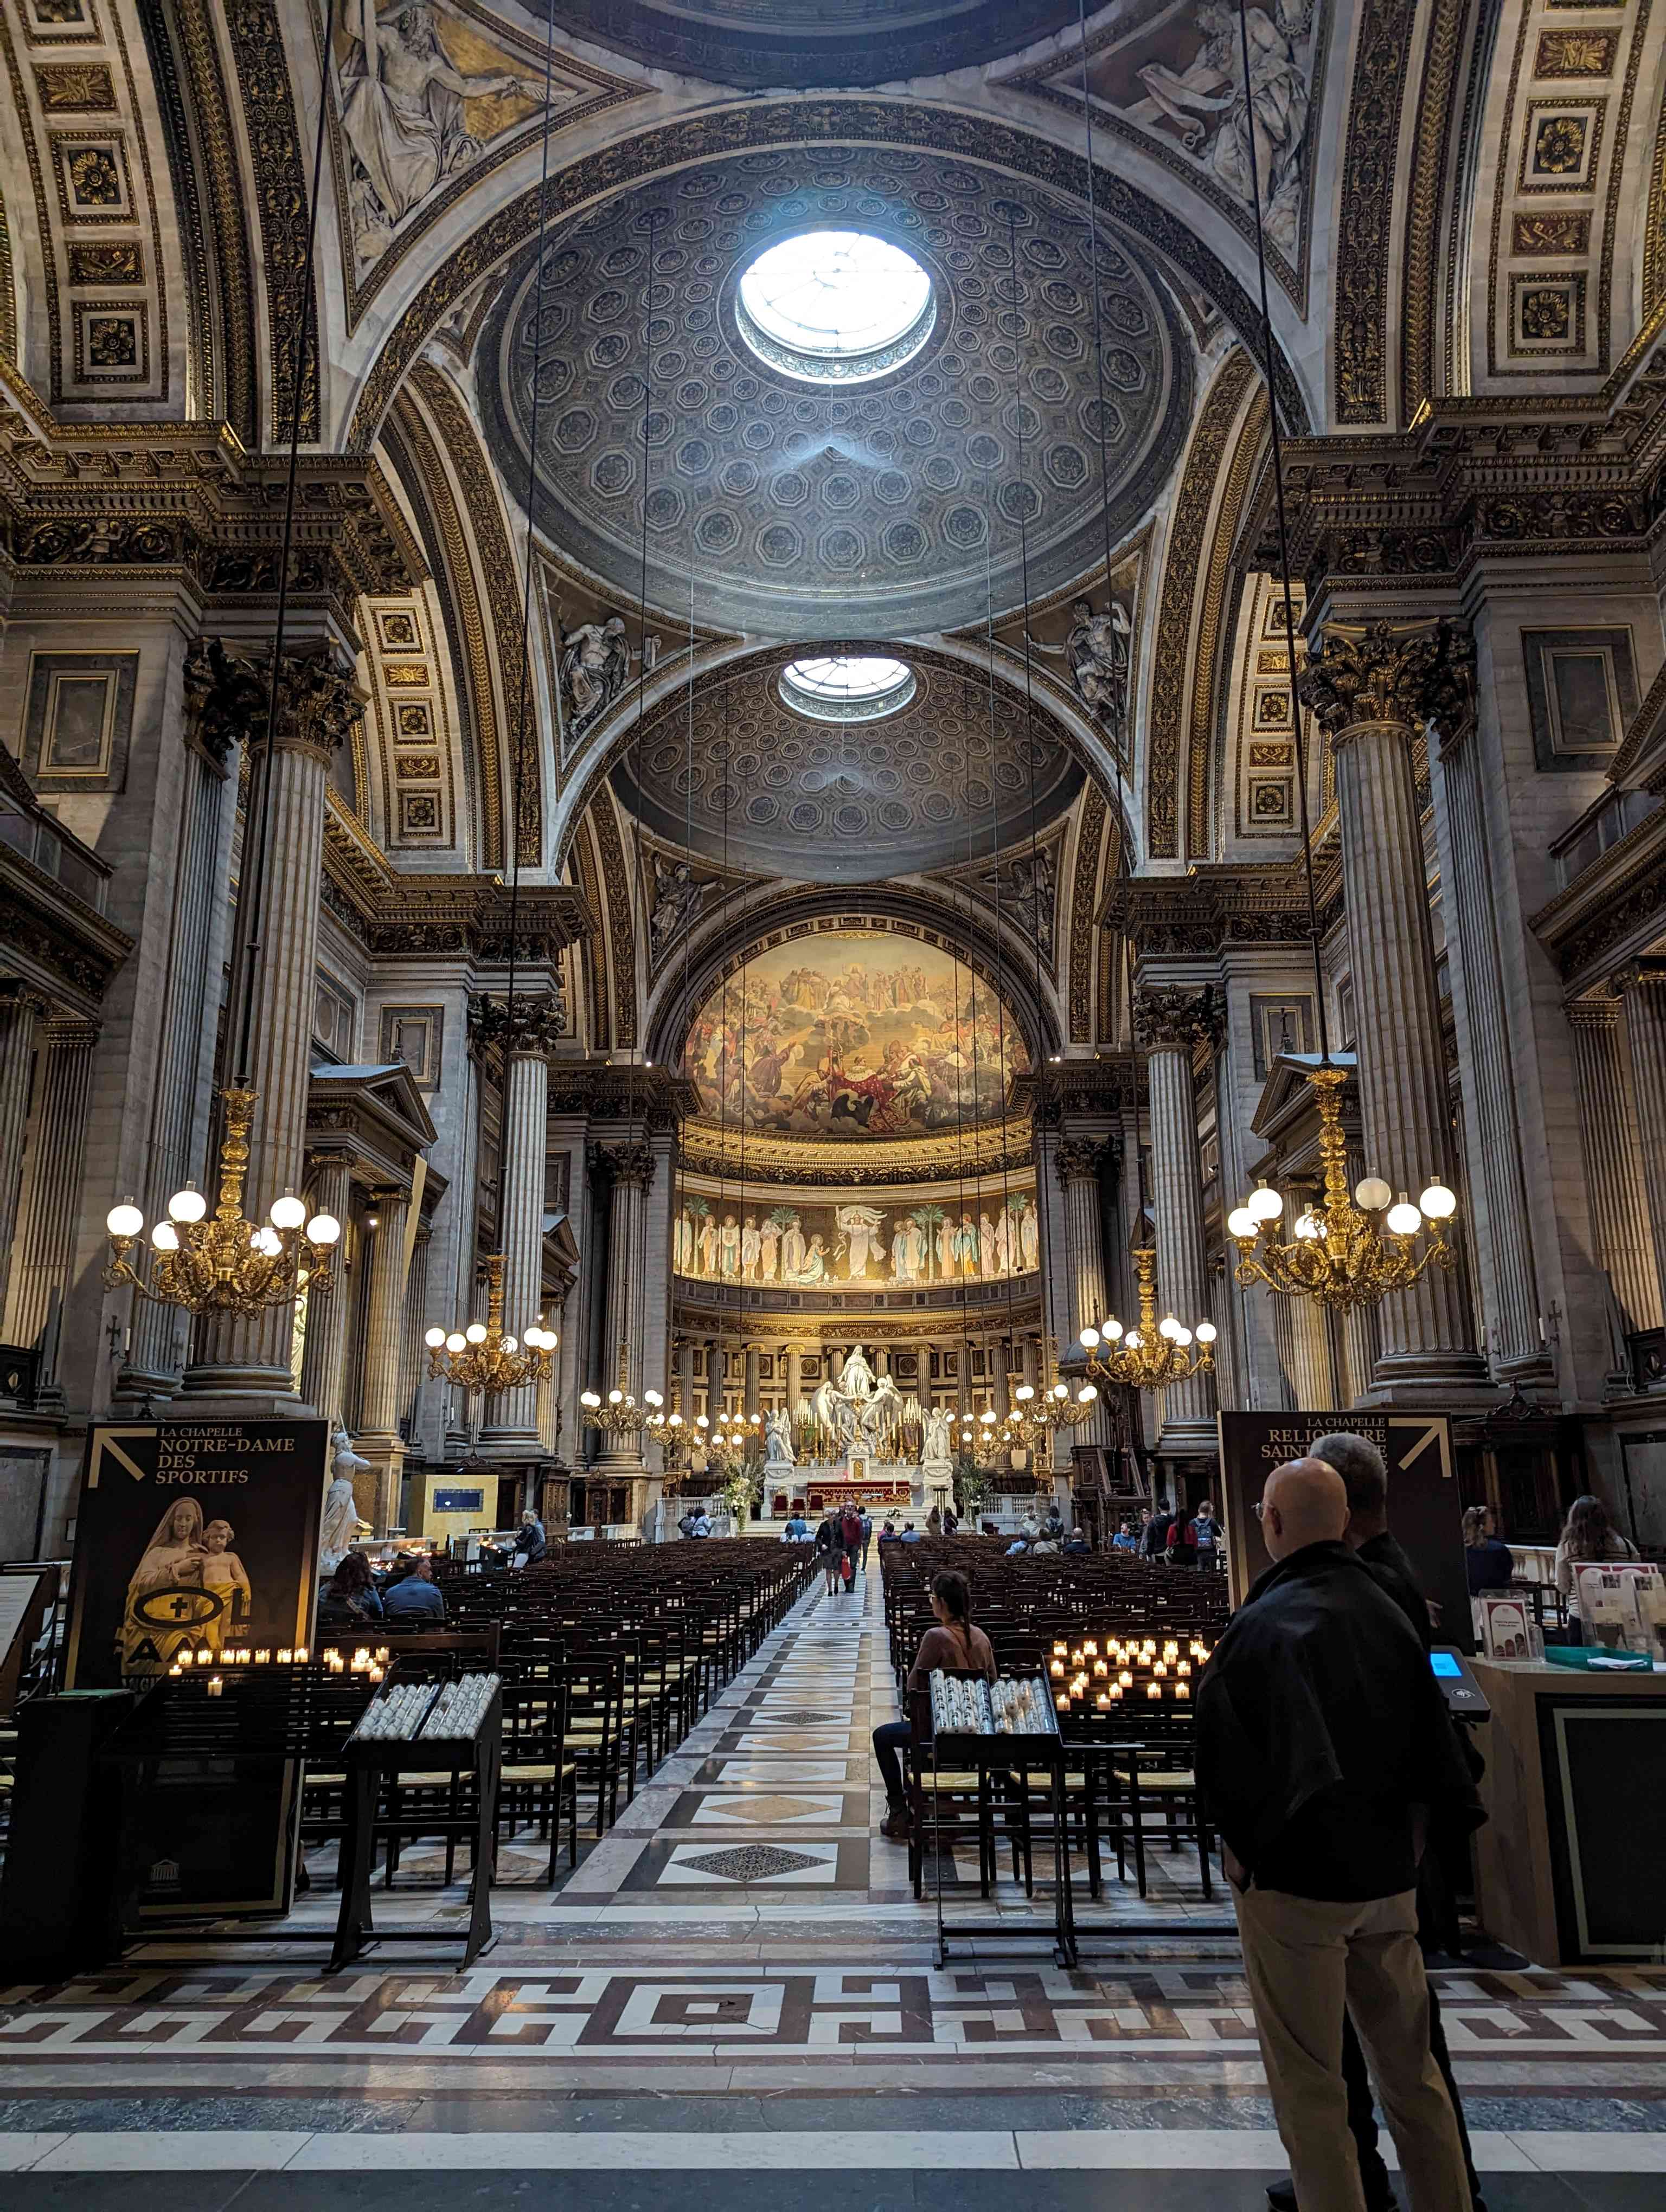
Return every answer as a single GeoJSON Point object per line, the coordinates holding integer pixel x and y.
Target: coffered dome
{"type": "Point", "coordinates": [893, 501]}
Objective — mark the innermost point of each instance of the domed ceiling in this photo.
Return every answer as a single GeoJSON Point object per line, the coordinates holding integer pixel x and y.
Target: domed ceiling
{"type": "Point", "coordinates": [803, 43]}
{"type": "Point", "coordinates": [758, 783]}
{"type": "Point", "coordinates": [894, 506]}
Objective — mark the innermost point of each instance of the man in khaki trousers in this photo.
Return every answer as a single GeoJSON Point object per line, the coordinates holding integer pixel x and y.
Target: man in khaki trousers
{"type": "Point", "coordinates": [1323, 1743]}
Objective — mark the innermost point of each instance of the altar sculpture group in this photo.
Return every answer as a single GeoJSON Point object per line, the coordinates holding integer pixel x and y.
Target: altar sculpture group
{"type": "Point", "coordinates": [860, 1244]}
{"type": "Point", "coordinates": [862, 1416]}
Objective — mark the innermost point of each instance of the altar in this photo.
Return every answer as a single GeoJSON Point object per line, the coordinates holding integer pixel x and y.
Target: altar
{"type": "Point", "coordinates": [887, 1485]}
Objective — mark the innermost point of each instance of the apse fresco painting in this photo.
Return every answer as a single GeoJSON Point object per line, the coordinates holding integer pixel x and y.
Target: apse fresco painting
{"type": "Point", "coordinates": [847, 1036]}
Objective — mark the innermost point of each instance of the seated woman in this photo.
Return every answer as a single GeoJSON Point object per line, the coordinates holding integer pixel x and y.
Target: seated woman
{"type": "Point", "coordinates": [349, 1595]}
{"type": "Point", "coordinates": [954, 1645]}
{"type": "Point", "coordinates": [1485, 1555]}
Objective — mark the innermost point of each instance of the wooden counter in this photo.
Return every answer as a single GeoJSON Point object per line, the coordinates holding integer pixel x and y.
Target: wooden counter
{"type": "Point", "coordinates": [1571, 1868]}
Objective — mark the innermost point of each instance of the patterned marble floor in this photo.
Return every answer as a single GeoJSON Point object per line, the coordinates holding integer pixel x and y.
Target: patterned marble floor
{"type": "Point", "coordinates": [737, 1979]}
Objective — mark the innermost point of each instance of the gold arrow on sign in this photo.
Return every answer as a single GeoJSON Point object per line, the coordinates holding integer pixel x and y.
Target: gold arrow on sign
{"type": "Point", "coordinates": [107, 1443]}
{"type": "Point", "coordinates": [1434, 1432]}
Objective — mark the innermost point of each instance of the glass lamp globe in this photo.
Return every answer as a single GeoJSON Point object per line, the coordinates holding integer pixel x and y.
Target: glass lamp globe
{"type": "Point", "coordinates": [1265, 1204]}
{"type": "Point", "coordinates": [267, 1242]}
{"type": "Point", "coordinates": [1060, 1390]}
{"type": "Point", "coordinates": [588, 1398]}
{"type": "Point", "coordinates": [1134, 1340]}
{"type": "Point", "coordinates": [1439, 1203]}
{"type": "Point", "coordinates": [1111, 1329]}
{"type": "Point", "coordinates": [288, 1212]}
{"type": "Point", "coordinates": [1025, 1392]}
{"type": "Point", "coordinates": [1240, 1222]}
{"type": "Point", "coordinates": [987, 1417]}
{"type": "Point", "coordinates": [615, 1397]}
{"type": "Point", "coordinates": [456, 1341]}
{"type": "Point", "coordinates": [165, 1237]}
{"type": "Point", "coordinates": [187, 1205]}
{"type": "Point", "coordinates": [1169, 1327]}
{"type": "Point", "coordinates": [434, 1339]}
{"type": "Point", "coordinates": [1207, 1332]}
{"type": "Point", "coordinates": [1182, 1337]}
{"type": "Point", "coordinates": [476, 1331]}
{"type": "Point", "coordinates": [1087, 1394]}
{"type": "Point", "coordinates": [124, 1220]}
{"type": "Point", "coordinates": [1371, 1195]}
{"type": "Point", "coordinates": [701, 1421]}
{"type": "Point", "coordinates": [1088, 1338]}
{"type": "Point", "coordinates": [510, 1344]}
{"type": "Point", "coordinates": [1404, 1219]}
{"type": "Point", "coordinates": [323, 1229]}
{"type": "Point", "coordinates": [655, 1397]}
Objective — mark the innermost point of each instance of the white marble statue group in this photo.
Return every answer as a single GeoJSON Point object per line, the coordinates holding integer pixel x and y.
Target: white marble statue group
{"type": "Point", "coordinates": [861, 1412]}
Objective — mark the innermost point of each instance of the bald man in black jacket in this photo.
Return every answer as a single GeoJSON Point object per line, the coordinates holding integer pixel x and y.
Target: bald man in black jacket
{"type": "Point", "coordinates": [1323, 1747]}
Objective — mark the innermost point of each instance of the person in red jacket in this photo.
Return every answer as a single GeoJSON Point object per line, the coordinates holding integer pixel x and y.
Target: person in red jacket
{"type": "Point", "coordinates": [850, 1529]}
{"type": "Point", "coordinates": [1183, 1540]}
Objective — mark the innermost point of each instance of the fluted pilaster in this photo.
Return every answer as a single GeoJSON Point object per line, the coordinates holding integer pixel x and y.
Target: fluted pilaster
{"type": "Point", "coordinates": [1171, 1024]}
{"type": "Point", "coordinates": [1371, 686]}
{"type": "Point", "coordinates": [21, 1012]}
{"type": "Point", "coordinates": [323, 1354]}
{"type": "Point", "coordinates": [1078, 1161]}
{"type": "Point", "coordinates": [1643, 995]}
{"type": "Point", "coordinates": [50, 1202]}
{"type": "Point", "coordinates": [511, 1422]}
{"type": "Point", "coordinates": [384, 1318]}
{"type": "Point", "coordinates": [1614, 1163]}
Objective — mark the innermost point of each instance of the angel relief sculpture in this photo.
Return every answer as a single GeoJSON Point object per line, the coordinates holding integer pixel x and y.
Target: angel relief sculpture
{"type": "Point", "coordinates": [1096, 651]}
{"type": "Point", "coordinates": [595, 667]}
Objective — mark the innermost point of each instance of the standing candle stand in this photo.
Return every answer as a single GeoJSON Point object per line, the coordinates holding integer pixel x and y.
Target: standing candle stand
{"type": "Point", "coordinates": [442, 1731]}
{"type": "Point", "coordinates": [1006, 1723]}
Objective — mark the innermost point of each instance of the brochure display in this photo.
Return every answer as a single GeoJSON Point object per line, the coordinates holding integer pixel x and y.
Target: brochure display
{"type": "Point", "coordinates": [992, 1727]}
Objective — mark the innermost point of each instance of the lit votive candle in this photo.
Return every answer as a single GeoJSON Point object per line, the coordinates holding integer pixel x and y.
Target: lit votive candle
{"type": "Point", "coordinates": [1059, 1650]}
{"type": "Point", "coordinates": [285, 1656]}
{"type": "Point", "coordinates": [187, 1657]}
{"type": "Point", "coordinates": [1126, 1679]}
{"type": "Point", "coordinates": [1092, 1650]}
{"type": "Point", "coordinates": [1159, 1668]}
{"type": "Point", "coordinates": [1100, 1669]}
{"type": "Point", "coordinates": [216, 1686]}
{"type": "Point", "coordinates": [240, 1658]}
{"type": "Point", "coordinates": [1057, 1669]}
{"type": "Point", "coordinates": [300, 1655]}
{"type": "Point", "coordinates": [204, 1657]}
{"type": "Point", "coordinates": [375, 1673]}
{"type": "Point", "coordinates": [1154, 1690]}
{"type": "Point", "coordinates": [263, 1658]}
{"type": "Point", "coordinates": [175, 1669]}
{"type": "Point", "coordinates": [1182, 1667]}
{"type": "Point", "coordinates": [1116, 1694]}
{"type": "Point", "coordinates": [1063, 1703]}
{"type": "Point", "coordinates": [1102, 1701]}
{"type": "Point", "coordinates": [381, 1655]}
{"type": "Point", "coordinates": [1182, 1689]}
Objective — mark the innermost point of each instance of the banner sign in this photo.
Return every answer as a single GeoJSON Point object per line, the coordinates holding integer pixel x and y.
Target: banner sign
{"type": "Point", "coordinates": [199, 1533]}
{"type": "Point", "coordinates": [1426, 1515]}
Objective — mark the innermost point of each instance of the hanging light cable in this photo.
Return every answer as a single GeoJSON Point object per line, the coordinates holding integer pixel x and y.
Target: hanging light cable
{"type": "Point", "coordinates": [1346, 1252]}
{"type": "Point", "coordinates": [481, 1356]}
{"type": "Point", "coordinates": [228, 1264]}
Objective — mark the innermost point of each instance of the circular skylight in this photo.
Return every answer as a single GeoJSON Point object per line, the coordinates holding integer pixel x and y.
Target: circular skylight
{"type": "Point", "coordinates": [835, 307]}
{"type": "Point", "coordinates": [848, 687]}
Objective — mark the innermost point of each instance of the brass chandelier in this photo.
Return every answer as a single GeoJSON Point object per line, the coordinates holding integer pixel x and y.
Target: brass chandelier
{"type": "Point", "coordinates": [1154, 1355]}
{"type": "Point", "coordinates": [620, 1414]}
{"type": "Point", "coordinates": [1038, 1412]}
{"type": "Point", "coordinates": [225, 1265]}
{"type": "Point", "coordinates": [1345, 1252]}
{"type": "Point", "coordinates": [480, 1357]}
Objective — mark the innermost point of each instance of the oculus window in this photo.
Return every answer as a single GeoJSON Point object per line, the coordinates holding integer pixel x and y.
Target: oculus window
{"type": "Point", "coordinates": [835, 307]}
{"type": "Point", "coordinates": [848, 687]}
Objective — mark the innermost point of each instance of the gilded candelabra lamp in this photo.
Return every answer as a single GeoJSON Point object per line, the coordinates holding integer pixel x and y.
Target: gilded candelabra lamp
{"type": "Point", "coordinates": [225, 1264]}
{"type": "Point", "coordinates": [1344, 1252]}
{"type": "Point", "coordinates": [1039, 1411]}
{"type": "Point", "coordinates": [480, 1357]}
{"type": "Point", "coordinates": [1154, 1354]}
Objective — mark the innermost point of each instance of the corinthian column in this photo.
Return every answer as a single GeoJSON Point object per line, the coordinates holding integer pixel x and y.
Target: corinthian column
{"type": "Point", "coordinates": [278, 936]}
{"type": "Point", "coordinates": [50, 1197]}
{"type": "Point", "coordinates": [511, 1422]}
{"type": "Point", "coordinates": [1614, 1163]}
{"type": "Point", "coordinates": [630, 1169]}
{"type": "Point", "coordinates": [324, 1352]}
{"type": "Point", "coordinates": [1643, 989]}
{"type": "Point", "coordinates": [384, 1345]}
{"type": "Point", "coordinates": [1371, 686]}
{"type": "Point", "coordinates": [1168, 1024]}
{"type": "Point", "coordinates": [1077, 1161]}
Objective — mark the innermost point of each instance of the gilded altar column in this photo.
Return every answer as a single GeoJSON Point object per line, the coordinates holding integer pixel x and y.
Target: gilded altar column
{"type": "Point", "coordinates": [630, 1171]}
{"type": "Point", "coordinates": [323, 1353]}
{"type": "Point", "coordinates": [379, 1438]}
{"type": "Point", "coordinates": [1642, 987]}
{"type": "Point", "coordinates": [22, 1011]}
{"type": "Point", "coordinates": [49, 1203]}
{"type": "Point", "coordinates": [1371, 686]}
{"type": "Point", "coordinates": [1614, 1163]}
{"type": "Point", "coordinates": [510, 1427]}
{"type": "Point", "coordinates": [250, 1360]}
{"type": "Point", "coordinates": [1169, 1023]}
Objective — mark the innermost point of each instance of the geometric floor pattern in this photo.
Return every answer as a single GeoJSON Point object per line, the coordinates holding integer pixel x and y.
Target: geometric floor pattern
{"type": "Point", "coordinates": [737, 1981]}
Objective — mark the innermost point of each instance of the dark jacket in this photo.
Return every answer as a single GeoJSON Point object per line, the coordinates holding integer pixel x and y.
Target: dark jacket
{"type": "Point", "coordinates": [531, 1538]}
{"type": "Point", "coordinates": [414, 1600]}
{"type": "Point", "coordinates": [1386, 1559]}
{"type": "Point", "coordinates": [1489, 1566]}
{"type": "Point", "coordinates": [1154, 1537]}
{"type": "Point", "coordinates": [1321, 1728]}
{"type": "Point", "coordinates": [828, 1538]}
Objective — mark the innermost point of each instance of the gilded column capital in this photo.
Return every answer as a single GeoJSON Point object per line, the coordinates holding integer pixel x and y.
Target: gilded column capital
{"type": "Point", "coordinates": [317, 706]}
{"type": "Point", "coordinates": [1596, 1012]}
{"type": "Point", "coordinates": [529, 1034]}
{"type": "Point", "coordinates": [1078, 1159]}
{"type": "Point", "coordinates": [1361, 674]}
{"type": "Point", "coordinates": [1172, 1018]}
{"type": "Point", "coordinates": [631, 1164]}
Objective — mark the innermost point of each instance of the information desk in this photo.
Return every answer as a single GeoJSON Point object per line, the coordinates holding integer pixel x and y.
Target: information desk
{"type": "Point", "coordinates": [1571, 1867]}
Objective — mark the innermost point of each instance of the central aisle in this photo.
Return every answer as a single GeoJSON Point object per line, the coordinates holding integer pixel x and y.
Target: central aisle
{"type": "Point", "coordinates": [737, 1986]}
